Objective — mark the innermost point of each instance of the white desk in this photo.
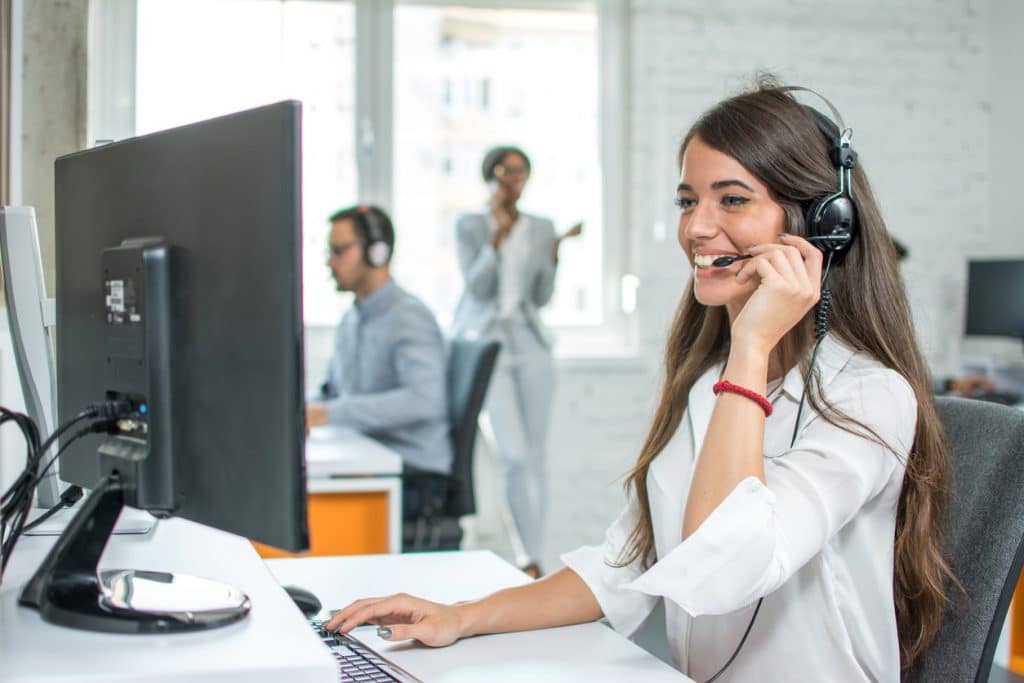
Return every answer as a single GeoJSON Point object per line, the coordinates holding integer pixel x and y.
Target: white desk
{"type": "Point", "coordinates": [344, 452]}
{"type": "Point", "coordinates": [275, 643]}
{"type": "Point", "coordinates": [591, 653]}
{"type": "Point", "coordinates": [341, 460]}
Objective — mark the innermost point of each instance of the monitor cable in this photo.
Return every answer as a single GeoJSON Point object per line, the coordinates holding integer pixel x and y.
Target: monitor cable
{"type": "Point", "coordinates": [16, 501]}
{"type": "Point", "coordinates": [820, 330]}
{"type": "Point", "coordinates": [68, 498]}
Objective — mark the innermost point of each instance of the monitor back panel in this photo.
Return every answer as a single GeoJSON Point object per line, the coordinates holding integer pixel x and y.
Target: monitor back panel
{"type": "Point", "coordinates": [227, 194]}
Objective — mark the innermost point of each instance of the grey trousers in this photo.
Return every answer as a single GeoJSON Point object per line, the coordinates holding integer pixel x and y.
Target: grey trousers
{"type": "Point", "coordinates": [519, 409]}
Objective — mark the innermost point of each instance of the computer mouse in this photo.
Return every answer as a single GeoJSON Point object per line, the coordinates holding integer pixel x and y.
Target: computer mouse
{"type": "Point", "coordinates": [308, 603]}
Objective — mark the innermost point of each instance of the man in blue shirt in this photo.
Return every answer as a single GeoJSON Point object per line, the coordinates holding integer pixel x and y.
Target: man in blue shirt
{"type": "Point", "coordinates": [386, 378]}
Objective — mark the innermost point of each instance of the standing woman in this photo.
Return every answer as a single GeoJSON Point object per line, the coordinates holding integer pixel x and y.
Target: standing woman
{"type": "Point", "coordinates": [787, 504]}
{"type": "Point", "coordinates": [508, 260]}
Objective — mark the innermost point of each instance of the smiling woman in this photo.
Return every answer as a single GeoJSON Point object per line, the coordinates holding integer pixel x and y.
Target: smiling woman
{"type": "Point", "coordinates": [740, 503]}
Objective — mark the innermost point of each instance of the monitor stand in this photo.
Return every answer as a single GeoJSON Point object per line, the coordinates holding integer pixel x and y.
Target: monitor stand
{"type": "Point", "coordinates": [131, 521]}
{"type": "Point", "coordinates": [68, 589]}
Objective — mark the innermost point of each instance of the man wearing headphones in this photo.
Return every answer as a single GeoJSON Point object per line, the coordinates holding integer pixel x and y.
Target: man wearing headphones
{"type": "Point", "coordinates": [387, 375]}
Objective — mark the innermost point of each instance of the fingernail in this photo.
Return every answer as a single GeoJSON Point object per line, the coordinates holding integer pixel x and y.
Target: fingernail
{"type": "Point", "coordinates": [749, 246]}
{"type": "Point", "coordinates": [383, 632]}
{"type": "Point", "coordinates": [783, 234]}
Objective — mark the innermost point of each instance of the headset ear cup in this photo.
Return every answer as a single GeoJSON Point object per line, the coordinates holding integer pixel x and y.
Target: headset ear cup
{"type": "Point", "coordinates": [830, 223]}
{"type": "Point", "coordinates": [377, 254]}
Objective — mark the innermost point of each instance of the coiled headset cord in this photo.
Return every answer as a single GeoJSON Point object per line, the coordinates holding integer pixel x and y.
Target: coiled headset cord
{"type": "Point", "coordinates": [820, 330]}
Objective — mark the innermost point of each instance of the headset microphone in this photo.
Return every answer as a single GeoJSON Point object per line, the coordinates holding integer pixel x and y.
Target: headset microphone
{"type": "Point", "coordinates": [723, 261]}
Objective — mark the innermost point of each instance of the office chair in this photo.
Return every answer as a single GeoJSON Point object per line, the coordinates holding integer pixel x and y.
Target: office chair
{"type": "Point", "coordinates": [984, 537]}
{"type": "Point", "coordinates": [470, 365]}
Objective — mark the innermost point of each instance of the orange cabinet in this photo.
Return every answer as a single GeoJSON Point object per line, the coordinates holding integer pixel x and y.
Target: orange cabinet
{"type": "Point", "coordinates": [347, 523]}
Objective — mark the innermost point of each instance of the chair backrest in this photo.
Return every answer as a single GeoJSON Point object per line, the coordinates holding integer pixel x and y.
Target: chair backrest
{"type": "Point", "coordinates": [984, 536]}
{"type": "Point", "coordinates": [470, 364]}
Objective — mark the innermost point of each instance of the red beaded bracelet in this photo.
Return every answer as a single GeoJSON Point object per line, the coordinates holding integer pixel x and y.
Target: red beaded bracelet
{"type": "Point", "coordinates": [726, 385]}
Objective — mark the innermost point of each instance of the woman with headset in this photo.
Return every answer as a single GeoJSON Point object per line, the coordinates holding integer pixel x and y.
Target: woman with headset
{"type": "Point", "coordinates": [787, 500]}
{"type": "Point", "coordinates": [508, 259]}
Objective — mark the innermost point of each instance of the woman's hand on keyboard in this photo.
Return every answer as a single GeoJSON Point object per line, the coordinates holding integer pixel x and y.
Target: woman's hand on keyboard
{"type": "Point", "coordinates": [402, 617]}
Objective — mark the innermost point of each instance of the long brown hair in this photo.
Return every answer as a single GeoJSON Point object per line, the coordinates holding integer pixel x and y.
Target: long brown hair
{"type": "Point", "coordinates": [777, 140]}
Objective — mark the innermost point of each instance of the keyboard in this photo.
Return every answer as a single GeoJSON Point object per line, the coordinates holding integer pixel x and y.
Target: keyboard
{"type": "Point", "coordinates": [356, 662]}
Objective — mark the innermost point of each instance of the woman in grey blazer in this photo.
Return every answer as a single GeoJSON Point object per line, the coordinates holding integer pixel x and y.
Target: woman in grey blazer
{"type": "Point", "coordinates": [508, 260]}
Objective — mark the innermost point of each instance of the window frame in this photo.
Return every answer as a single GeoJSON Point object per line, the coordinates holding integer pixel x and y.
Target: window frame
{"type": "Point", "coordinates": [111, 116]}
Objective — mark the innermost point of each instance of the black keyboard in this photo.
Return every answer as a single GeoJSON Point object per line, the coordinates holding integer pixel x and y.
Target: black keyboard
{"type": "Point", "coordinates": [356, 662]}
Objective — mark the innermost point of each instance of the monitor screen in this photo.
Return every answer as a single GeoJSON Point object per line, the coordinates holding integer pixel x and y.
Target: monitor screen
{"type": "Point", "coordinates": [995, 298]}
{"type": "Point", "coordinates": [224, 195]}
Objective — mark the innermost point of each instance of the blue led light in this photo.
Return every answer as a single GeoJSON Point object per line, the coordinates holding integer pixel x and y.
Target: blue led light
{"type": "Point", "coordinates": [143, 408]}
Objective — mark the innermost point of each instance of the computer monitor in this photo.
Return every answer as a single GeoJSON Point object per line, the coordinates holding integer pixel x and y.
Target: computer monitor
{"type": "Point", "coordinates": [30, 316]}
{"type": "Point", "coordinates": [995, 298]}
{"type": "Point", "coordinates": [178, 259]}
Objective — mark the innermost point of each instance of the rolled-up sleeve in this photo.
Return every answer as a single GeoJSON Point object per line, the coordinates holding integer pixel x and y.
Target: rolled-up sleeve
{"type": "Point", "coordinates": [596, 565]}
{"type": "Point", "coordinates": [762, 534]}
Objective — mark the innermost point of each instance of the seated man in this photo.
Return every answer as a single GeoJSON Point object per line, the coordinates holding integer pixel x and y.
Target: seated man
{"type": "Point", "coordinates": [386, 378]}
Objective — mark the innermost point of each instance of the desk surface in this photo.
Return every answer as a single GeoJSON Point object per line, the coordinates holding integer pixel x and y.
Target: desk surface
{"type": "Point", "coordinates": [585, 652]}
{"type": "Point", "coordinates": [342, 452]}
{"type": "Point", "coordinates": [275, 643]}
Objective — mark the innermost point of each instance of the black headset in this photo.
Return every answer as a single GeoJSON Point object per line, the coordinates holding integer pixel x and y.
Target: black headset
{"type": "Point", "coordinates": [376, 250]}
{"type": "Point", "coordinates": [832, 220]}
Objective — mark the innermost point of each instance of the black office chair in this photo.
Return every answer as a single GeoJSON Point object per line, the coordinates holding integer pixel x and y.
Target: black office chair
{"type": "Point", "coordinates": [470, 365]}
{"type": "Point", "coordinates": [984, 537]}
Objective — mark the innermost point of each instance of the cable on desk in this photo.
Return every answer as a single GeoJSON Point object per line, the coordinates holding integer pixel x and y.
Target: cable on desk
{"type": "Point", "coordinates": [16, 501]}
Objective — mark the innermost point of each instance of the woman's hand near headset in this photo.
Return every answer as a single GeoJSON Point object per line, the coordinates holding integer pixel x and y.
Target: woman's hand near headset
{"type": "Point", "coordinates": [790, 285]}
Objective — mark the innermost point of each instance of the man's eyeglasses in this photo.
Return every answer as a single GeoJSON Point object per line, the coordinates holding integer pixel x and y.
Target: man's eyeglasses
{"type": "Point", "coordinates": [336, 250]}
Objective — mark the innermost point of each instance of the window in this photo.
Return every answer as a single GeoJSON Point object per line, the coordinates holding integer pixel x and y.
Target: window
{"type": "Point", "coordinates": [400, 102]}
{"type": "Point", "coordinates": [521, 76]}
{"type": "Point", "coordinates": [287, 50]}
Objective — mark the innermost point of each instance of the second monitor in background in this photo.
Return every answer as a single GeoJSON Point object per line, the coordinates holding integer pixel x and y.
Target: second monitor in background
{"type": "Point", "coordinates": [995, 298]}
{"type": "Point", "coordinates": [995, 307]}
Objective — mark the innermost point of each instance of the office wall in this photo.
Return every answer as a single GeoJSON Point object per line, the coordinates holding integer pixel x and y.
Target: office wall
{"type": "Point", "coordinates": [53, 104]}
{"type": "Point", "coordinates": [52, 122]}
{"type": "Point", "coordinates": [1007, 114]}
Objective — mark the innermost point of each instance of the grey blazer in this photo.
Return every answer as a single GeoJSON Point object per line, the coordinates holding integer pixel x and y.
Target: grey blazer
{"type": "Point", "coordinates": [478, 307]}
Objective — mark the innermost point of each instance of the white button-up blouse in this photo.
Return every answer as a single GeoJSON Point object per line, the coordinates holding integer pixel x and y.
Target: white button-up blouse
{"type": "Point", "coordinates": [816, 541]}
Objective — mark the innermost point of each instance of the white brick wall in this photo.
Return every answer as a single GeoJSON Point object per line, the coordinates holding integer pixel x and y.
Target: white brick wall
{"type": "Point", "coordinates": [911, 78]}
